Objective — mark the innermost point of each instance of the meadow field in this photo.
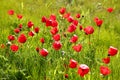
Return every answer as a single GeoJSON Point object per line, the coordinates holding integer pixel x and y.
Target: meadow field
{"type": "Point", "coordinates": [59, 39]}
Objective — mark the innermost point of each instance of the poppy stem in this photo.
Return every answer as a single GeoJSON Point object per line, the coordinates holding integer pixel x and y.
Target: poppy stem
{"type": "Point", "coordinates": [89, 41]}
{"type": "Point", "coordinates": [98, 34]}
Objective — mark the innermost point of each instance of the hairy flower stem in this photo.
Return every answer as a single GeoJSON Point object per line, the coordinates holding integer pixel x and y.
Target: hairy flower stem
{"type": "Point", "coordinates": [89, 41]}
{"type": "Point", "coordinates": [98, 35]}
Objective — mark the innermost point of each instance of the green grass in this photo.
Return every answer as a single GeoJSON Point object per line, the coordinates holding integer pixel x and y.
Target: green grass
{"type": "Point", "coordinates": [27, 64]}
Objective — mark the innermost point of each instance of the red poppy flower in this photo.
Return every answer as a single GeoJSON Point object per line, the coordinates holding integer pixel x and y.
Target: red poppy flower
{"type": "Point", "coordinates": [75, 22]}
{"type": "Point", "coordinates": [71, 28]}
{"type": "Point", "coordinates": [17, 30]}
{"type": "Point", "coordinates": [66, 76]}
{"type": "Point", "coordinates": [19, 16]}
{"type": "Point", "coordinates": [43, 19]}
{"type": "Point", "coordinates": [77, 48]}
{"type": "Point", "coordinates": [77, 15]}
{"type": "Point", "coordinates": [104, 70]}
{"type": "Point", "coordinates": [43, 52]}
{"type": "Point", "coordinates": [22, 38]}
{"type": "Point", "coordinates": [89, 30]}
{"type": "Point", "coordinates": [73, 63]}
{"type": "Point", "coordinates": [31, 33]}
{"type": "Point", "coordinates": [62, 10]}
{"type": "Point", "coordinates": [66, 15]}
{"type": "Point", "coordinates": [30, 24]}
{"type": "Point", "coordinates": [56, 37]}
{"type": "Point", "coordinates": [57, 45]}
{"type": "Point", "coordinates": [20, 25]}
{"type": "Point", "coordinates": [110, 10]}
{"type": "Point", "coordinates": [54, 23]}
{"type": "Point", "coordinates": [53, 17]}
{"type": "Point", "coordinates": [11, 12]}
{"type": "Point", "coordinates": [14, 48]}
{"type": "Point", "coordinates": [11, 38]}
{"type": "Point", "coordinates": [74, 38]}
{"type": "Point", "coordinates": [80, 27]}
{"type": "Point", "coordinates": [112, 51]}
{"type": "Point", "coordinates": [70, 19]}
{"type": "Point", "coordinates": [48, 22]}
{"type": "Point", "coordinates": [42, 40]}
{"type": "Point", "coordinates": [99, 22]}
{"type": "Point", "coordinates": [106, 60]}
{"type": "Point", "coordinates": [83, 69]}
{"type": "Point", "coordinates": [37, 49]}
{"type": "Point", "coordinates": [36, 29]}
{"type": "Point", "coordinates": [54, 31]}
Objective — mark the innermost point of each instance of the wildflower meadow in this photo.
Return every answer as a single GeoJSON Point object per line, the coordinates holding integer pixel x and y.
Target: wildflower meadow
{"type": "Point", "coordinates": [59, 39]}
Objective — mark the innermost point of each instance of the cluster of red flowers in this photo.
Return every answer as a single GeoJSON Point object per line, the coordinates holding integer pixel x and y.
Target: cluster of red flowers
{"type": "Point", "coordinates": [52, 22]}
{"type": "Point", "coordinates": [112, 51]}
{"type": "Point", "coordinates": [83, 69]}
{"type": "Point", "coordinates": [20, 37]}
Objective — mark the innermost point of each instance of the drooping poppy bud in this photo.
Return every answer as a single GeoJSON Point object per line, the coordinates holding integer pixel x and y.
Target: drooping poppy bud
{"type": "Point", "coordinates": [66, 76]}
{"type": "Point", "coordinates": [80, 27]}
{"type": "Point", "coordinates": [20, 26]}
{"type": "Point", "coordinates": [37, 49]}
